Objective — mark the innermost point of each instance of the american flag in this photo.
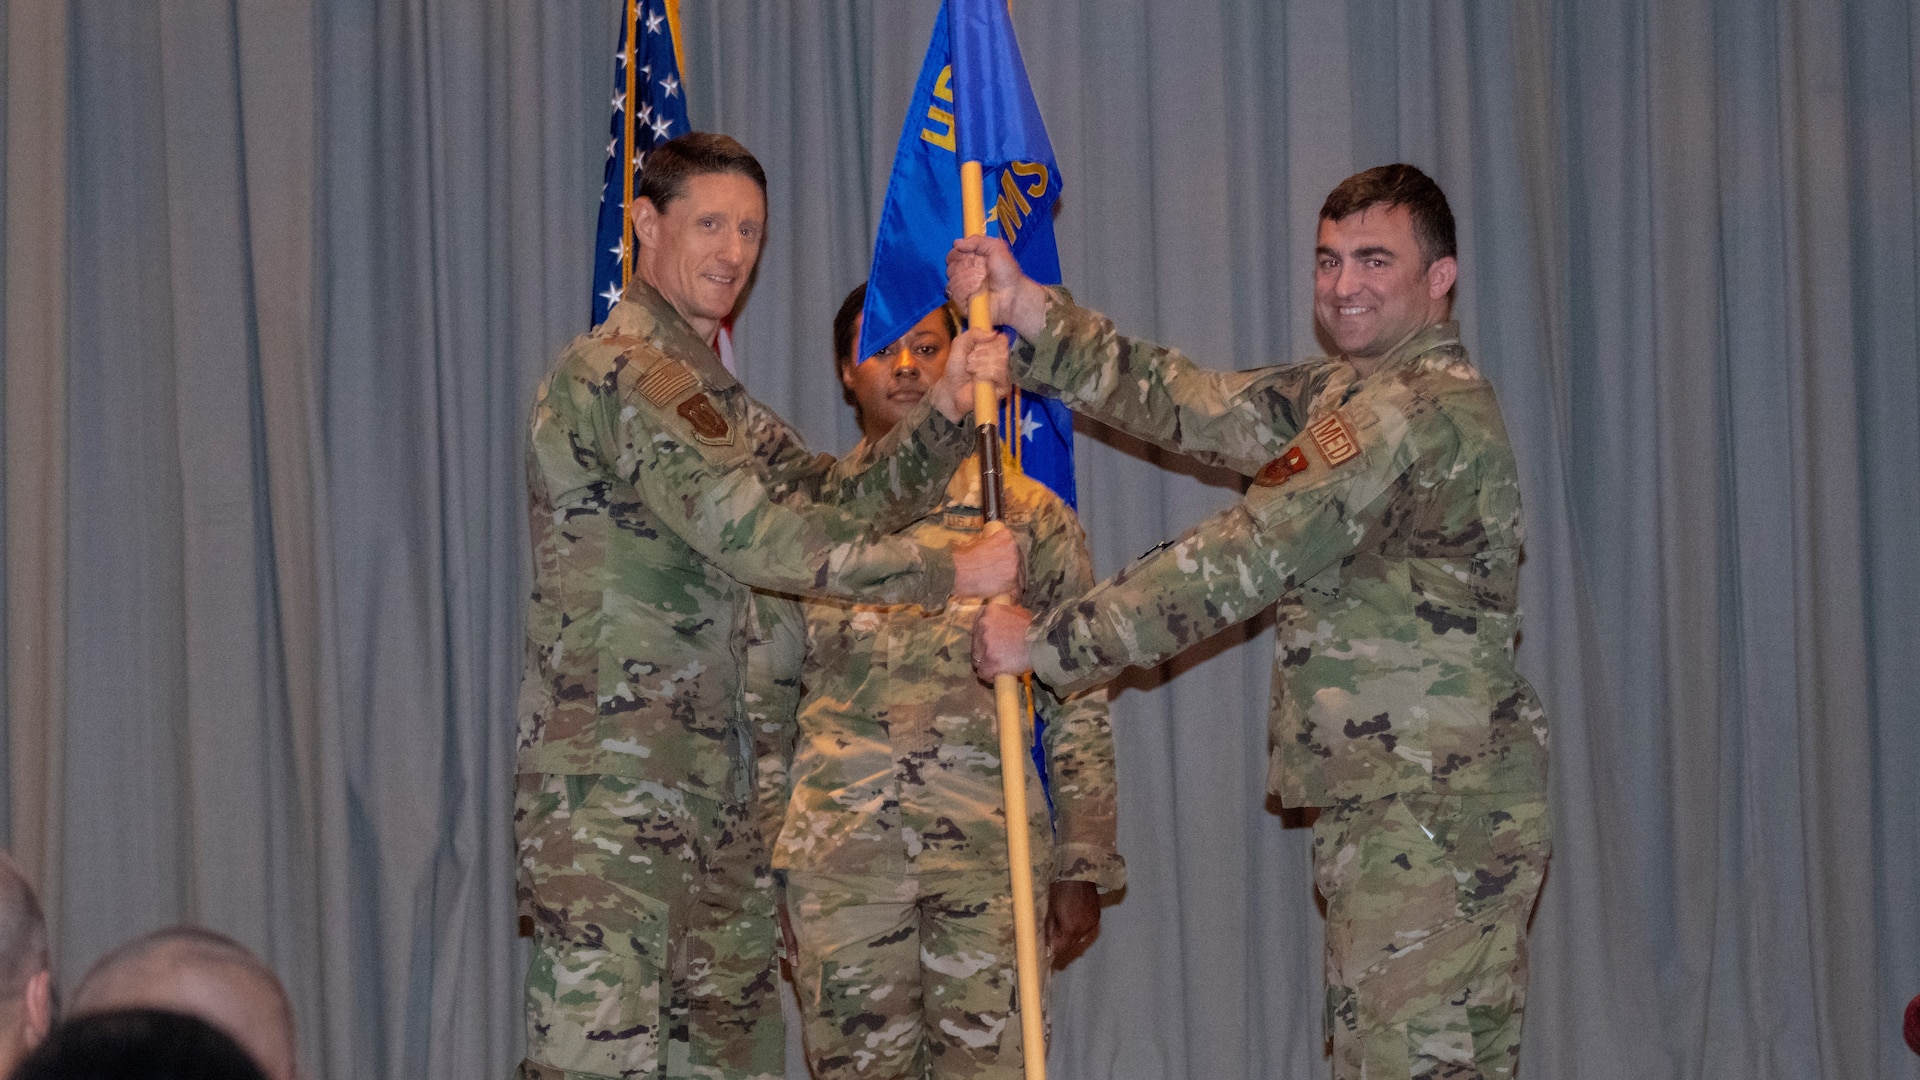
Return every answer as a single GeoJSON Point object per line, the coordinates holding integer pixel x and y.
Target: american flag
{"type": "Point", "coordinates": [649, 107]}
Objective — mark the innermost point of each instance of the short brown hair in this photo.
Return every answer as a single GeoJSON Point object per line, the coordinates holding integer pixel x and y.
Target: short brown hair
{"type": "Point", "coordinates": [671, 164]}
{"type": "Point", "coordinates": [185, 946]}
{"type": "Point", "coordinates": [1404, 186]}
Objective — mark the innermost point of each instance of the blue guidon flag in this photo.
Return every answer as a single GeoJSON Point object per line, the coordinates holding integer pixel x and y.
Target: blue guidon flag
{"type": "Point", "coordinates": [649, 107]}
{"type": "Point", "coordinates": [972, 103]}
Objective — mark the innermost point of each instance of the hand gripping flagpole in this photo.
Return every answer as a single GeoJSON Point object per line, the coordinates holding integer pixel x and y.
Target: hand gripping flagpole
{"type": "Point", "coordinates": [1006, 688]}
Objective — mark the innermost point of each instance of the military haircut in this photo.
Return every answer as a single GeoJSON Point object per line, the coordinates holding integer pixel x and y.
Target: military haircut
{"type": "Point", "coordinates": [1404, 186]}
{"type": "Point", "coordinates": [850, 308]}
{"type": "Point", "coordinates": [699, 153]}
{"type": "Point", "coordinates": [180, 945]}
{"type": "Point", "coordinates": [23, 932]}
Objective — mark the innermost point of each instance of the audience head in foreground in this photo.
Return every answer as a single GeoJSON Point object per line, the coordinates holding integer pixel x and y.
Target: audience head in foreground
{"type": "Point", "coordinates": [26, 975]}
{"type": "Point", "coordinates": [201, 973]}
{"type": "Point", "coordinates": [139, 1044]}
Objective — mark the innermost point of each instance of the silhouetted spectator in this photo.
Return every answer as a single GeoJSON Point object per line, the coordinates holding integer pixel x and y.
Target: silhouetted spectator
{"type": "Point", "coordinates": [196, 971]}
{"type": "Point", "coordinates": [26, 975]}
{"type": "Point", "coordinates": [138, 1044]}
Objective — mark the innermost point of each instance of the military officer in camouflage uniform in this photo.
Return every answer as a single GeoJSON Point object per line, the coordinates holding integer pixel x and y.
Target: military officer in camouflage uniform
{"type": "Point", "coordinates": [891, 833]}
{"type": "Point", "coordinates": [1384, 520]}
{"type": "Point", "coordinates": [659, 493]}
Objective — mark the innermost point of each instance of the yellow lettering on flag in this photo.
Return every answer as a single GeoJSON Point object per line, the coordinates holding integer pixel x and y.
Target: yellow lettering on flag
{"type": "Point", "coordinates": [1034, 169]}
{"type": "Point", "coordinates": [1012, 208]}
{"type": "Point", "coordinates": [942, 89]}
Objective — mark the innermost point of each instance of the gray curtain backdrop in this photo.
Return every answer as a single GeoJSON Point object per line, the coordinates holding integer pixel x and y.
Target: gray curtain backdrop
{"type": "Point", "coordinates": [280, 275]}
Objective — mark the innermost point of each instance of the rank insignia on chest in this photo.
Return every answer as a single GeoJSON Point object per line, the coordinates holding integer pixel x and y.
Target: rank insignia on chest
{"type": "Point", "coordinates": [1275, 472]}
{"type": "Point", "coordinates": [1334, 439]}
{"type": "Point", "coordinates": [708, 424]}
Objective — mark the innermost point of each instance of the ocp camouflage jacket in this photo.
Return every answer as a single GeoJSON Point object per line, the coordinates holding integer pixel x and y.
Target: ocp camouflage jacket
{"type": "Point", "coordinates": [1384, 521]}
{"type": "Point", "coordinates": [658, 494]}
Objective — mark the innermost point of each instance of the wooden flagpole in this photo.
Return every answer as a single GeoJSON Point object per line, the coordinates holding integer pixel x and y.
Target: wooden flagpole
{"type": "Point", "coordinates": [1006, 688]}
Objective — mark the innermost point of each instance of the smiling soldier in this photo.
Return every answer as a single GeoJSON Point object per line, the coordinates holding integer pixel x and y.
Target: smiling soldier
{"type": "Point", "coordinates": [1384, 521]}
{"type": "Point", "coordinates": [659, 494]}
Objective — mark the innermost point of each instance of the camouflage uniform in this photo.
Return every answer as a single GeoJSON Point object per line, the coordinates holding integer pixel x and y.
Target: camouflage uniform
{"type": "Point", "coordinates": [1384, 521]}
{"type": "Point", "coordinates": [893, 836]}
{"type": "Point", "coordinates": [659, 492]}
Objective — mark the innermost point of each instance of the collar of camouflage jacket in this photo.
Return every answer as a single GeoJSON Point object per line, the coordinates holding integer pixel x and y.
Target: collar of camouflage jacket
{"type": "Point", "coordinates": [643, 312]}
{"type": "Point", "coordinates": [1422, 341]}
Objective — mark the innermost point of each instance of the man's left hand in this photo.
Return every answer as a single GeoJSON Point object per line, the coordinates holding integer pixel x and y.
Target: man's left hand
{"type": "Point", "coordinates": [1000, 641]}
{"type": "Point", "coordinates": [1073, 916]}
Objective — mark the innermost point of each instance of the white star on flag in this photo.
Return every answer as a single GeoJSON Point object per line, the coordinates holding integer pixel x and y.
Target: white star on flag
{"type": "Point", "coordinates": [653, 23]}
{"type": "Point", "coordinates": [612, 295]}
{"type": "Point", "coordinates": [613, 146]}
{"type": "Point", "coordinates": [620, 101]}
{"type": "Point", "coordinates": [619, 249]}
{"type": "Point", "coordinates": [1028, 425]}
{"type": "Point", "coordinates": [671, 85]}
{"type": "Point", "coordinates": [661, 127]}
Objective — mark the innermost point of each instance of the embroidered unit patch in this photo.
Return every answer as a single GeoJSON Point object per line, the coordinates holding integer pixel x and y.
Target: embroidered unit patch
{"type": "Point", "coordinates": [707, 422]}
{"type": "Point", "coordinates": [1275, 472]}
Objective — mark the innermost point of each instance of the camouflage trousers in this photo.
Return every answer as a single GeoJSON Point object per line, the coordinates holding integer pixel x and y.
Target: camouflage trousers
{"type": "Point", "coordinates": [653, 933]}
{"type": "Point", "coordinates": [1428, 899]}
{"type": "Point", "coordinates": [908, 977]}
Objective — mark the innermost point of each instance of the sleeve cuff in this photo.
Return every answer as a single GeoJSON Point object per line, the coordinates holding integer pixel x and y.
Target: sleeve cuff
{"type": "Point", "coordinates": [946, 440]}
{"type": "Point", "coordinates": [1088, 862]}
{"type": "Point", "coordinates": [1044, 655]}
{"type": "Point", "coordinates": [937, 574]}
{"type": "Point", "coordinates": [946, 443]}
{"type": "Point", "coordinates": [1053, 328]}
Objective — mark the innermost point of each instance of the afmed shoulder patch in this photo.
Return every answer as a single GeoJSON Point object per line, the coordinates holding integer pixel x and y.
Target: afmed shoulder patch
{"type": "Point", "coordinates": [1334, 439]}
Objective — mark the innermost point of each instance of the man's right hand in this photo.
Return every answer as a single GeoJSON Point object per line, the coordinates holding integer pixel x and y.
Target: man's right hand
{"type": "Point", "coordinates": [988, 566]}
{"type": "Point", "coordinates": [977, 355]}
{"type": "Point", "coordinates": [1000, 641]}
{"type": "Point", "coordinates": [1013, 298]}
